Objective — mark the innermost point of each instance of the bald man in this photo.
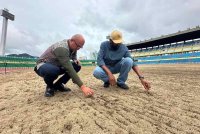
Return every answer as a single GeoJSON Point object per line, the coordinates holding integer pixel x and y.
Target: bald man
{"type": "Point", "coordinates": [61, 59]}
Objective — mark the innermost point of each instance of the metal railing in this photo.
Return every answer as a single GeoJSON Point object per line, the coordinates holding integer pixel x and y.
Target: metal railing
{"type": "Point", "coordinates": [8, 62]}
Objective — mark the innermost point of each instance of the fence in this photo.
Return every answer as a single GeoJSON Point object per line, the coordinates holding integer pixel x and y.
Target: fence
{"type": "Point", "coordinates": [8, 62]}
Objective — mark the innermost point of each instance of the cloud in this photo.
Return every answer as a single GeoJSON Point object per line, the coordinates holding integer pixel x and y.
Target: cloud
{"type": "Point", "coordinates": [39, 24]}
{"type": "Point", "coordinates": [21, 41]}
{"type": "Point", "coordinates": [154, 18]}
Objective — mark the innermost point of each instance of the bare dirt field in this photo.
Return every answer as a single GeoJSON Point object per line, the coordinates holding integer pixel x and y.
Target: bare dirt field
{"type": "Point", "coordinates": [172, 105]}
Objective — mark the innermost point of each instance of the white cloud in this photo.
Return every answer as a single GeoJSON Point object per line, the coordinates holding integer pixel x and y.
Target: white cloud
{"type": "Point", "coordinates": [39, 24]}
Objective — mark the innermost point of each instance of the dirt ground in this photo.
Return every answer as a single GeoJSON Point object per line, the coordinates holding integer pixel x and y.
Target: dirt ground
{"type": "Point", "coordinates": [172, 105]}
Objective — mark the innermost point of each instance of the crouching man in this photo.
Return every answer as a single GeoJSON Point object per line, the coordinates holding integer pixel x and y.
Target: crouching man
{"type": "Point", "coordinates": [56, 60]}
{"type": "Point", "coordinates": [114, 57]}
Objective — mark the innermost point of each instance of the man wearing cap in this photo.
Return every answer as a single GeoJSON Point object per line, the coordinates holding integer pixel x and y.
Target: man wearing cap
{"type": "Point", "coordinates": [56, 61]}
{"type": "Point", "coordinates": [114, 57]}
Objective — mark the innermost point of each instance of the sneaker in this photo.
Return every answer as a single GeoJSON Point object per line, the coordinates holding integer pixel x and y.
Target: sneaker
{"type": "Point", "coordinates": [123, 86]}
{"type": "Point", "coordinates": [62, 88]}
{"type": "Point", "coordinates": [49, 92]}
{"type": "Point", "coordinates": [106, 84]}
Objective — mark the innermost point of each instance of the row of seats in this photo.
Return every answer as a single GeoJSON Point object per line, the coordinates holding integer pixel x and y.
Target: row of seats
{"type": "Point", "coordinates": [168, 50]}
{"type": "Point", "coordinates": [171, 61]}
{"type": "Point", "coordinates": [190, 57]}
{"type": "Point", "coordinates": [169, 56]}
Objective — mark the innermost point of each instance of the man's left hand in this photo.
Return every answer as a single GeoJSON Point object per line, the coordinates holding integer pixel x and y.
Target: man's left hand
{"type": "Point", "coordinates": [146, 84]}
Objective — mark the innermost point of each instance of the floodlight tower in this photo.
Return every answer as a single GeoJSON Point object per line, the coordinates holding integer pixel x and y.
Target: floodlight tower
{"type": "Point", "coordinates": [6, 15]}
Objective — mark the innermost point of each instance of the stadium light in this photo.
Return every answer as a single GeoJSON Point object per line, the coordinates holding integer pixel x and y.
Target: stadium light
{"type": "Point", "coordinates": [6, 15]}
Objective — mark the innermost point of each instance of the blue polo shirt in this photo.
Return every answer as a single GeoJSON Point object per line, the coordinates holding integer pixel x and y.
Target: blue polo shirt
{"type": "Point", "coordinates": [108, 56]}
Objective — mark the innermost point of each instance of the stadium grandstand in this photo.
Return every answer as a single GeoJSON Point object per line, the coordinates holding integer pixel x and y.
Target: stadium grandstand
{"type": "Point", "coordinates": [180, 47]}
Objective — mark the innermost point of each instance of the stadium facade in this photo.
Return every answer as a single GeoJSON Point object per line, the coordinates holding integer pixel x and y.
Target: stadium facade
{"type": "Point", "coordinates": [180, 47]}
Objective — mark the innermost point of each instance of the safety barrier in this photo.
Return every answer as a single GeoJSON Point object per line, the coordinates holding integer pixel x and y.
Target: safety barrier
{"type": "Point", "coordinates": [88, 62]}
{"type": "Point", "coordinates": [8, 62]}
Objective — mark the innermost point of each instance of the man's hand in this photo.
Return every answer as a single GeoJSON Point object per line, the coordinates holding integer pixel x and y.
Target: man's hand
{"type": "Point", "coordinates": [87, 91]}
{"type": "Point", "coordinates": [111, 77]}
{"type": "Point", "coordinates": [112, 80]}
{"type": "Point", "coordinates": [146, 84]}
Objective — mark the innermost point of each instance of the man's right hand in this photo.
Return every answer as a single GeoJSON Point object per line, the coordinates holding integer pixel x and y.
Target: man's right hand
{"type": "Point", "coordinates": [112, 80]}
{"type": "Point", "coordinates": [111, 77]}
{"type": "Point", "coordinates": [146, 84]}
{"type": "Point", "coordinates": [87, 91]}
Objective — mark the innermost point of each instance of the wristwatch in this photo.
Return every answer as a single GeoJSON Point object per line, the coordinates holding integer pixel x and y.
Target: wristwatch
{"type": "Point", "coordinates": [141, 77]}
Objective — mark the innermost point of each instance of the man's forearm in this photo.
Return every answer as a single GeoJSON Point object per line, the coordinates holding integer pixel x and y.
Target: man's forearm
{"type": "Point", "coordinates": [137, 71]}
{"type": "Point", "coordinates": [72, 73]}
{"type": "Point", "coordinates": [107, 70]}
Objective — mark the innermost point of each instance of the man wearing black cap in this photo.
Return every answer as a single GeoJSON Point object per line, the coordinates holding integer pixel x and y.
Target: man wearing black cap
{"type": "Point", "coordinates": [114, 57]}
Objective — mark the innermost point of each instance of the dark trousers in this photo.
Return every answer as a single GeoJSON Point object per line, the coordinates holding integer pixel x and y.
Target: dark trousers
{"type": "Point", "coordinates": [51, 72]}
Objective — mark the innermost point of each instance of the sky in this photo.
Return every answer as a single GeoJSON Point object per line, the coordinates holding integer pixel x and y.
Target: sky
{"type": "Point", "coordinates": [40, 23]}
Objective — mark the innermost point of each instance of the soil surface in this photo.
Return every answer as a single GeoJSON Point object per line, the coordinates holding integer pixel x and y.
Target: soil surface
{"type": "Point", "coordinates": [171, 106]}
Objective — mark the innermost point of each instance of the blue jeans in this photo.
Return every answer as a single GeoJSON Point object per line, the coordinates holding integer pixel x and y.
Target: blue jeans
{"type": "Point", "coordinates": [122, 67]}
{"type": "Point", "coordinates": [51, 72]}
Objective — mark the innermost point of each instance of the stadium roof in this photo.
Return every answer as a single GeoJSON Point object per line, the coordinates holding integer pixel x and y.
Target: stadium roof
{"type": "Point", "coordinates": [188, 34]}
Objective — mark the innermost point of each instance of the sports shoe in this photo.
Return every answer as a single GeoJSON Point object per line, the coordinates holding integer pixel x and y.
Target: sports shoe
{"type": "Point", "coordinates": [106, 84]}
{"type": "Point", "coordinates": [123, 86]}
{"type": "Point", "coordinates": [61, 88]}
{"type": "Point", "coordinates": [49, 92]}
